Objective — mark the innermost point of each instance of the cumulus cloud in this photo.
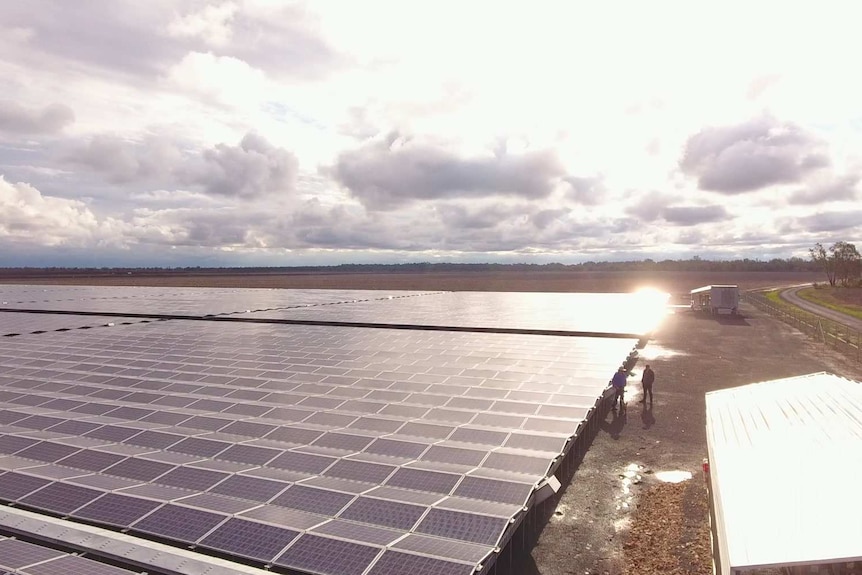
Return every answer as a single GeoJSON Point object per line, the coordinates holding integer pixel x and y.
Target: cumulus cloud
{"type": "Point", "coordinates": [836, 189]}
{"type": "Point", "coordinates": [254, 168]}
{"type": "Point", "coordinates": [122, 161]}
{"type": "Point", "coordinates": [655, 206]}
{"type": "Point", "coordinates": [145, 38]}
{"type": "Point", "coordinates": [251, 169]}
{"type": "Point", "coordinates": [750, 156]}
{"type": "Point", "coordinates": [28, 215]}
{"type": "Point", "coordinates": [833, 221]}
{"type": "Point", "coordinates": [587, 191]}
{"type": "Point", "coordinates": [16, 119]}
{"type": "Point", "coordinates": [389, 173]}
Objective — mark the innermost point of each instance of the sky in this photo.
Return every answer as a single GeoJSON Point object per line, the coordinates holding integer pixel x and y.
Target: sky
{"type": "Point", "coordinates": [280, 133]}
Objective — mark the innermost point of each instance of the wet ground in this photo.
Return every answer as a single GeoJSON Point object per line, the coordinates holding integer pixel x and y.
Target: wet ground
{"type": "Point", "coordinates": [629, 507]}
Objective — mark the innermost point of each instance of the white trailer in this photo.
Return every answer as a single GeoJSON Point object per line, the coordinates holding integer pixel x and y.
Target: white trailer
{"type": "Point", "coordinates": [716, 299]}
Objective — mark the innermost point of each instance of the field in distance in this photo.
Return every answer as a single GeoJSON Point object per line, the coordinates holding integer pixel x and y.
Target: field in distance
{"type": "Point", "coordinates": [673, 282]}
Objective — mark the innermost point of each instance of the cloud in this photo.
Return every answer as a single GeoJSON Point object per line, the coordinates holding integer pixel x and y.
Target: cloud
{"type": "Point", "coordinates": [655, 206]}
{"type": "Point", "coordinates": [16, 119]}
{"type": "Point", "coordinates": [27, 215]}
{"type": "Point", "coordinates": [123, 161]}
{"type": "Point", "coordinates": [140, 40]}
{"type": "Point", "coordinates": [751, 156]}
{"type": "Point", "coordinates": [834, 221]}
{"type": "Point", "coordinates": [587, 191]}
{"type": "Point", "coordinates": [836, 189]}
{"type": "Point", "coordinates": [252, 169]}
{"type": "Point", "coordinates": [389, 173]}
{"type": "Point", "coordinates": [693, 215]}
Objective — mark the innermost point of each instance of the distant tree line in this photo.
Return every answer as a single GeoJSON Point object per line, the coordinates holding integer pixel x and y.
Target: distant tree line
{"type": "Point", "coordinates": [841, 262]}
{"type": "Point", "coordinates": [831, 261]}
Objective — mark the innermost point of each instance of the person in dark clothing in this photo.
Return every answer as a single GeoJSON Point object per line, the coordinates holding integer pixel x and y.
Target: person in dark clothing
{"type": "Point", "coordinates": [647, 380]}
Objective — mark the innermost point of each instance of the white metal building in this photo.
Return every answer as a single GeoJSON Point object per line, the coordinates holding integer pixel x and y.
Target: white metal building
{"type": "Point", "coordinates": [785, 464]}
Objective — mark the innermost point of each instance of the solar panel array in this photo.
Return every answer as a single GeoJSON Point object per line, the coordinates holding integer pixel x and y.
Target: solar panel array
{"type": "Point", "coordinates": [317, 448]}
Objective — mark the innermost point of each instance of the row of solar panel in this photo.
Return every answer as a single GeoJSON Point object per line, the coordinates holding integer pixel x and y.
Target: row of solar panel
{"type": "Point", "coordinates": [253, 535]}
{"type": "Point", "coordinates": [31, 559]}
{"type": "Point", "coordinates": [526, 311]}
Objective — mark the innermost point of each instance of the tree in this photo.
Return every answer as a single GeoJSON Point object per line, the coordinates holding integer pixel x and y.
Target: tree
{"type": "Point", "coordinates": [824, 260]}
{"type": "Point", "coordinates": [847, 262]}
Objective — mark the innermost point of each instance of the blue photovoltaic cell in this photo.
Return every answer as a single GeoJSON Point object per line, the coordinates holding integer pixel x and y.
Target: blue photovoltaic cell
{"type": "Point", "coordinates": [422, 480]}
{"type": "Point", "coordinates": [320, 501]}
{"type": "Point", "coordinates": [191, 478]}
{"type": "Point", "coordinates": [141, 469]}
{"type": "Point", "coordinates": [199, 446]}
{"type": "Point", "coordinates": [454, 455]}
{"type": "Point", "coordinates": [395, 448]}
{"type": "Point", "coordinates": [444, 548]}
{"type": "Point", "coordinates": [154, 439]}
{"type": "Point", "coordinates": [494, 490]}
{"type": "Point", "coordinates": [61, 497]}
{"type": "Point", "coordinates": [249, 454]}
{"type": "Point", "coordinates": [73, 427]}
{"type": "Point", "coordinates": [112, 433]}
{"type": "Point", "coordinates": [249, 539]}
{"type": "Point", "coordinates": [74, 565]}
{"type": "Point", "coordinates": [294, 435]}
{"type": "Point", "coordinates": [15, 554]}
{"type": "Point", "coordinates": [91, 460]}
{"type": "Point", "coordinates": [328, 556]}
{"type": "Point", "coordinates": [396, 563]}
{"type": "Point", "coordinates": [251, 488]}
{"type": "Point", "coordinates": [10, 444]}
{"type": "Point", "coordinates": [117, 510]}
{"type": "Point", "coordinates": [13, 486]}
{"type": "Point", "coordinates": [48, 451]}
{"type": "Point", "coordinates": [535, 466]}
{"type": "Point", "coordinates": [470, 527]}
{"type": "Point", "coordinates": [303, 462]}
{"type": "Point", "coordinates": [179, 523]}
{"type": "Point", "coordinates": [360, 471]}
{"type": "Point", "coordinates": [386, 513]}
{"type": "Point", "coordinates": [343, 441]}
{"type": "Point", "coordinates": [249, 429]}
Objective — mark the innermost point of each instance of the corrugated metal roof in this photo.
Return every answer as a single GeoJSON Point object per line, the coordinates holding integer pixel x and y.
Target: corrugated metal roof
{"type": "Point", "coordinates": [785, 463]}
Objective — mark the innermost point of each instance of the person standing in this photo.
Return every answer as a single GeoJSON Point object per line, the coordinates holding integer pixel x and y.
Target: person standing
{"type": "Point", "coordinates": [647, 380]}
{"type": "Point", "coordinates": [618, 382]}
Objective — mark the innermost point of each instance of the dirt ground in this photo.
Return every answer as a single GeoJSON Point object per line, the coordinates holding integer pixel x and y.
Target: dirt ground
{"type": "Point", "coordinates": [616, 517]}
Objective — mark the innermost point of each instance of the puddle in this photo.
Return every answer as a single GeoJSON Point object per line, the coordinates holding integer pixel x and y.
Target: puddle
{"type": "Point", "coordinates": [652, 352]}
{"type": "Point", "coordinates": [673, 476]}
{"type": "Point", "coordinates": [631, 475]}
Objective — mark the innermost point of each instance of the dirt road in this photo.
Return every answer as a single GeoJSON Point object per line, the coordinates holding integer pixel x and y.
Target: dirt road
{"type": "Point", "coordinates": [791, 296]}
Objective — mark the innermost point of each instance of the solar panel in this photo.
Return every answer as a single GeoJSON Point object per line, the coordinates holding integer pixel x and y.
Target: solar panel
{"type": "Point", "coordinates": [61, 497]}
{"type": "Point", "coordinates": [251, 488]}
{"type": "Point", "coordinates": [320, 501]}
{"type": "Point", "coordinates": [384, 513]}
{"type": "Point", "coordinates": [328, 556]}
{"type": "Point", "coordinates": [14, 486]}
{"type": "Point", "coordinates": [117, 510]}
{"type": "Point", "coordinates": [249, 454]}
{"type": "Point", "coordinates": [249, 539]}
{"type": "Point", "coordinates": [179, 523]}
{"type": "Point", "coordinates": [469, 527]}
{"type": "Point", "coordinates": [191, 478]}
{"type": "Point", "coordinates": [424, 480]}
{"type": "Point", "coordinates": [16, 554]}
{"type": "Point", "coordinates": [141, 469]}
{"type": "Point", "coordinates": [73, 565]}
{"type": "Point", "coordinates": [91, 460]}
{"type": "Point", "coordinates": [360, 471]}
{"type": "Point", "coordinates": [302, 462]}
{"type": "Point", "coordinates": [480, 415]}
{"type": "Point", "coordinates": [396, 563]}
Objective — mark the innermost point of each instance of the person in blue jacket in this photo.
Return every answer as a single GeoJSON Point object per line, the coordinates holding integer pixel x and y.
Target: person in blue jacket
{"type": "Point", "coordinates": [618, 382]}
